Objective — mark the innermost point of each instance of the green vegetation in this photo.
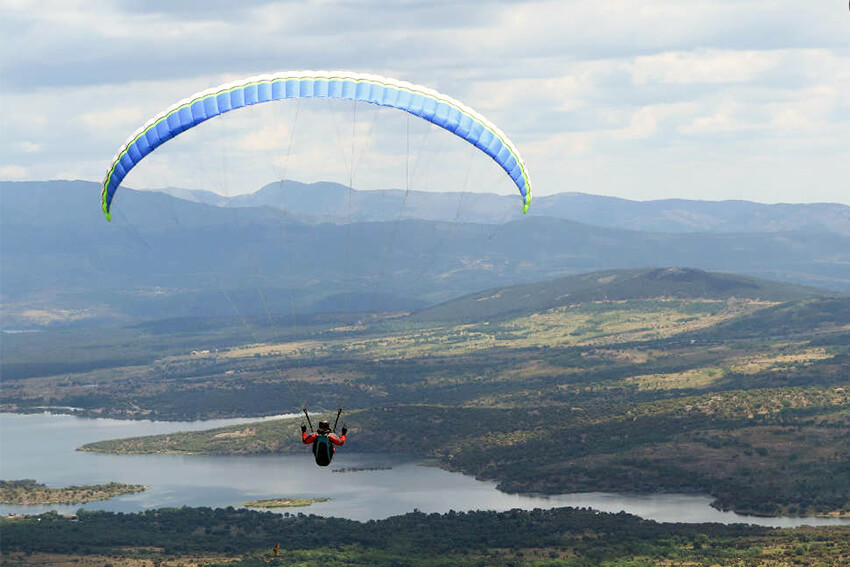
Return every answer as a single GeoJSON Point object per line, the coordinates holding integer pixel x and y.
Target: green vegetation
{"type": "Point", "coordinates": [669, 283]}
{"type": "Point", "coordinates": [30, 492]}
{"type": "Point", "coordinates": [284, 502]}
{"type": "Point", "coordinates": [564, 536]}
{"type": "Point", "coordinates": [743, 397]}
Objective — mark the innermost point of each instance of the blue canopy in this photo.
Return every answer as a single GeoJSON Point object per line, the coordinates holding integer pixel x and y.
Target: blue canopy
{"type": "Point", "coordinates": [420, 101]}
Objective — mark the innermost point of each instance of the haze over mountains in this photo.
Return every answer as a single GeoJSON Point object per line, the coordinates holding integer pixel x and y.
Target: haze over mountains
{"type": "Point", "coordinates": [330, 201]}
{"type": "Point", "coordinates": [164, 256]}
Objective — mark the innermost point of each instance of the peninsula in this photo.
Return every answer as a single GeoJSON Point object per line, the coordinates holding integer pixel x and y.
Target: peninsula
{"type": "Point", "coordinates": [30, 492]}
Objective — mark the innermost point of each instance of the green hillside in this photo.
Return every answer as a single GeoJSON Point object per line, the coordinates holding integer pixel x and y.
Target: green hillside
{"type": "Point", "coordinates": [742, 398]}
{"type": "Point", "coordinates": [613, 285]}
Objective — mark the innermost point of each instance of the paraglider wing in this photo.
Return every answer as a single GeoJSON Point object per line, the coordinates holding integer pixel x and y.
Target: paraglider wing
{"type": "Point", "coordinates": [420, 101]}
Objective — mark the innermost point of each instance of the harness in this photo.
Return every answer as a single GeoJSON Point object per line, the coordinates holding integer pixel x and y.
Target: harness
{"type": "Point", "coordinates": [323, 450]}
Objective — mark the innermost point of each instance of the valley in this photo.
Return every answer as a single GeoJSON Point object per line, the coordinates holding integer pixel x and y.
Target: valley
{"type": "Point", "coordinates": [744, 398]}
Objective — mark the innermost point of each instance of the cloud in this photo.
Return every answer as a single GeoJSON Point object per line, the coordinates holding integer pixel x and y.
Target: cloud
{"type": "Point", "coordinates": [703, 67]}
{"type": "Point", "coordinates": [114, 116]}
{"type": "Point", "coordinates": [74, 43]}
{"type": "Point", "coordinates": [658, 98]}
{"type": "Point", "coordinates": [9, 172]}
{"type": "Point", "coordinates": [192, 9]}
{"type": "Point", "coordinates": [29, 147]}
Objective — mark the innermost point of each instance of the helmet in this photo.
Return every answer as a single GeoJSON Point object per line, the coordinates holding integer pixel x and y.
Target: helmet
{"type": "Point", "coordinates": [324, 427]}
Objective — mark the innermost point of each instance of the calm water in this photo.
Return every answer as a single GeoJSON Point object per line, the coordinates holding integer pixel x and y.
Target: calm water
{"type": "Point", "coordinates": [42, 447]}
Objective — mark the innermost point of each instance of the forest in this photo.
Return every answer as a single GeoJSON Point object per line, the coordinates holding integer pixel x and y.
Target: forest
{"type": "Point", "coordinates": [565, 536]}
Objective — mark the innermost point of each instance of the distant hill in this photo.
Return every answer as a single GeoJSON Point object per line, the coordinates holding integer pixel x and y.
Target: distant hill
{"type": "Point", "coordinates": [791, 318]}
{"type": "Point", "coordinates": [364, 303]}
{"type": "Point", "coordinates": [612, 285]}
{"type": "Point", "coordinates": [167, 257]}
{"type": "Point", "coordinates": [680, 215]}
{"type": "Point", "coordinates": [335, 202]}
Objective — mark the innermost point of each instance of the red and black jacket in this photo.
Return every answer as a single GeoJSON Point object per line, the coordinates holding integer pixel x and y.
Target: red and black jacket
{"type": "Point", "coordinates": [307, 439]}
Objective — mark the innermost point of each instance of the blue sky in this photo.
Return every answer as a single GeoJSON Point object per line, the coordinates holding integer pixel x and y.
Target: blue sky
{"type": "Point", "coordinates": [704, 99]}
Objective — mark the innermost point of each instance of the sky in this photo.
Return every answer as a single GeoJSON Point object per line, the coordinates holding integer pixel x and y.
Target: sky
{"type": "Point", "coordinates": [656, 99]}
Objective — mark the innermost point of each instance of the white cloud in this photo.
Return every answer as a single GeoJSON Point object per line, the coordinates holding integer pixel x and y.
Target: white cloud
{"type": "Point", "coordinates": [652, 99]}
{"type": "Point", "coordinates": [720, 121]}
{"type": "Point", "coordinates": [645, 122]}
{"type": "Point", "coordinates": [114, 117]}
{"type": "Point", "coordinates": [29, 147]}
{"type": "Point", "coordinates": [704, 67]}
{"type": "Point", "coordinates": [12, 172]}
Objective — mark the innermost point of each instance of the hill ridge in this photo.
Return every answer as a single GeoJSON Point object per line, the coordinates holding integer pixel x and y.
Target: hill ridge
{"type": "Point", "coordinates": [330, 201]}
{"type": "Point", "coordinates": [614, 285]}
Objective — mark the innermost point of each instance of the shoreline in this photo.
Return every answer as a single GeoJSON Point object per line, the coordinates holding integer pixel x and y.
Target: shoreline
{"type": "Point", "coordinates": [633, 503]}
{"type": "Point", "coordinates": [28, 492]}
{"type": "Point", "coordinates": [81, 413]}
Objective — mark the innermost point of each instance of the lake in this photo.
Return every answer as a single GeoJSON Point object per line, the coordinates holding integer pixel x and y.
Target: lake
{"type": "Point", "coordinates": [43, 447]}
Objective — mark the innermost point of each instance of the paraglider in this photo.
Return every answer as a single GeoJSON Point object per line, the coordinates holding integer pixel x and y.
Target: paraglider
{"type": "Point", "coordinates": [417, 100]}
{"type": "Point", "coordinates": [323, 439]}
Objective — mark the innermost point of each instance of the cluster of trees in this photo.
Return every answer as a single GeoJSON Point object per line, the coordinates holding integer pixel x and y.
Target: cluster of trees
{"type": "Point", "coordinates": [564, 536]}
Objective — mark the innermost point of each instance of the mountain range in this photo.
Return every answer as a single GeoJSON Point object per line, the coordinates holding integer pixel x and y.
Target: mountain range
{"type": "Point", "coordinates": [337, 203]}
{"type": "Point", "coordinates": [167, 256]}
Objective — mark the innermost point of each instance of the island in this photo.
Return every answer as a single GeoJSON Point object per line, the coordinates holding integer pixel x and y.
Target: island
{"type": "Point", "coordinates": [284, 502]}
{"type": "Point", "coordinates": [30, 492]}
{"type": "Point", "coordinates": [362, 469]}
